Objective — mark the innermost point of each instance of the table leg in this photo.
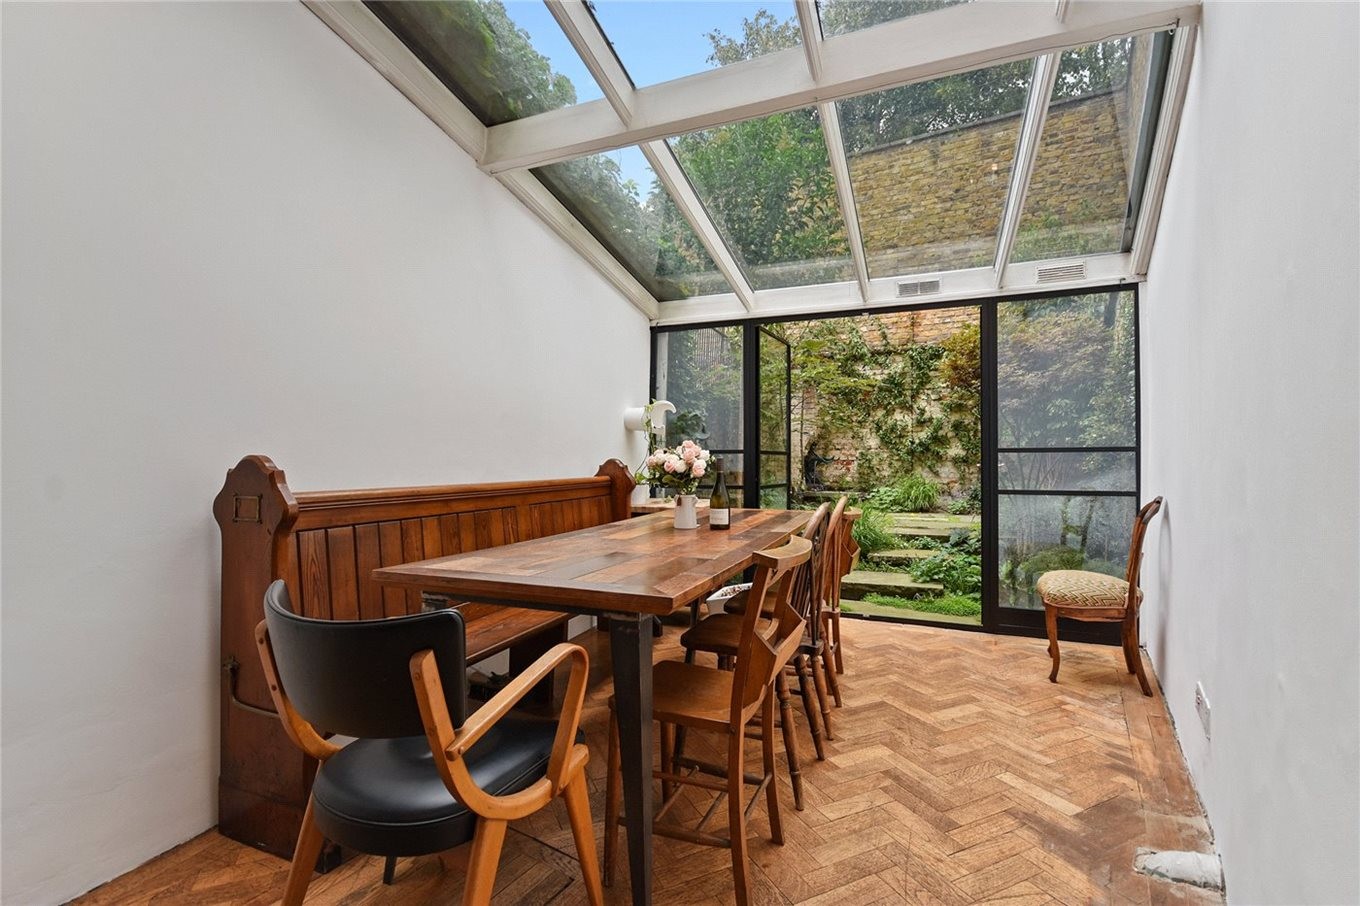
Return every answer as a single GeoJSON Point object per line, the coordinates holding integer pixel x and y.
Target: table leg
{"type": "Point", "coordinates": [630, 642]}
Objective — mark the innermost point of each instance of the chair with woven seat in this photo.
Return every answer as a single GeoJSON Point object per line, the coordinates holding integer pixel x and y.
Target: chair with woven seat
{"type": "Point", "coordinates": [422, 775]}
{"type": "Point", "coordinates": [721, 635]}
{"type": "Point", "coordinates": [1083, 595]}
{"type": "Point", "coordinates": [710, 700]}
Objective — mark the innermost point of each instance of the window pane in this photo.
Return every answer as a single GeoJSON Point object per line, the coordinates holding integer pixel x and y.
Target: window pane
{"type": "Point", "coordinates": [930, 165]}
{"type": "Point", "coordinates": [1038, 534]}
{"type": "Point", "coordinates": [619, 199]}
{"type": "Point", "coordinates": [1068, 471]}
{"type": "Point", "coordinates": [1079, 193]}
{"type": "Point", "coordinates": [700, 372]}
{"type": "Point", "coordinates": [504, 60]}
{"type": "Point", "coordinates": [1065, 371]}
{"type": "Point", "coordinates": [668, 39]}
{"type": "Point", "coordinates": [767, 184]}
{"type": "Point", "coordinates": [841, 16]}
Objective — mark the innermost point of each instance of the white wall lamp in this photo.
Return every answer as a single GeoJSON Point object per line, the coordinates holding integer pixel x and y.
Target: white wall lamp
{"type": "Point", "coordinates": [651, 417]}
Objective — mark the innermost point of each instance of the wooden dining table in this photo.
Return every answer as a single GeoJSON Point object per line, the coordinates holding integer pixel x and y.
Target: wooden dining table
{"type": "Point", "coordinates": [629, 571]}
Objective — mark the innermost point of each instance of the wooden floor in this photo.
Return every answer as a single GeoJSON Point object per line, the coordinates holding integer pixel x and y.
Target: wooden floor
{"type": "Point", "coordinates": [959, 774]}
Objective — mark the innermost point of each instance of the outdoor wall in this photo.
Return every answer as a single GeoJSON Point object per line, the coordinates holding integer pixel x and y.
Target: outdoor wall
{"type": "Point", "coordinates": [225, 233]}
{"type": "Point", "coordinates": [1250, 430]}
{"type": "Point", "coordinates": [935, 202]}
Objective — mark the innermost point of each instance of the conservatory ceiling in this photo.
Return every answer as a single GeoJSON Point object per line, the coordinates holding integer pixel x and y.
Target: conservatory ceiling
{"type": "Point", "coordinates": [719, 160]}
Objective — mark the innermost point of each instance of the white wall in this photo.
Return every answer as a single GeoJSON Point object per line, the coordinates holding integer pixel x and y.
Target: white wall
{"type": "Point", "coordinates": [224, 233]}
{"type": "Point", "coordinates": [1250, 322]}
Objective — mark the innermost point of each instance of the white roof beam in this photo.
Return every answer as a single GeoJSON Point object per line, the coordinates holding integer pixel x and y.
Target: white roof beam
{"type": "Point", "coordinates": [1163, 145]}
{"type": "Point", "coordinates": [668, 170]}
{"type": "Point", "coordinates": [1026, 151]}
{"type": "Point", "coordinates": [840, 169]}
{"type": "Point", "coordinates": [372, 40]}
{"type": "Point", "coordinates": [584, 35]}
{"type": "Point", "coordinates": [956, 39]}
{"type": "Point", "coordinates": [812, 36]}
{"type": "Point", "coordinates": [1061, 11]}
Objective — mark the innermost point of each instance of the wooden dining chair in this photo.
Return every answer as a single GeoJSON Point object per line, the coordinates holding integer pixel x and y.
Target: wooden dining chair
{"type": "Point", "coordinates": [422, 775]}
{"type": "Point", "coordinates": [1082, 595]}
{"type": "Point", "coordinates": [844, 556]}
{"type": "Point", "coordinates": [706, 699]}
{"type": "Point", "coordinates": [721, 635]}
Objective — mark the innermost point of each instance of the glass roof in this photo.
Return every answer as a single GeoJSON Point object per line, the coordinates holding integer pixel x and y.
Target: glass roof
{"type": "Point", "coordinates": [930, 167]}
{"type": "Point", "coordinates": [922, 173]}
{"type": "Point", "coordinates": [1079, 191]}
{"type": "Point", "coordinates": [660, 40]}
{"type": "Point", "coordinates": [767, 184]}
{"type": "Point", "coordinates": [841, 16]}
{"type": "Point", "coordinates": [504, 60]}
{"type": "Point", "coordinates": [618, 198]}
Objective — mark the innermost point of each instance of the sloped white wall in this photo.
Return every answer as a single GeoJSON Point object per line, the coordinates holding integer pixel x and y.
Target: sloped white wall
{"type": "Point", "coordinates": [224, 233]}
{"type": "Point", "coordinates": [1251, 421]}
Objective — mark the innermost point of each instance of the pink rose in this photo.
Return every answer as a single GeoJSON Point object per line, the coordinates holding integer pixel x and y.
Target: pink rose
{"type": "Point", "coordinates": [697, 470]}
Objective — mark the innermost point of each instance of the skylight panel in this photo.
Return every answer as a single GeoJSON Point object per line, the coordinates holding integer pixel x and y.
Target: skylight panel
{"type": "Point", "coordinates": [930, 166]}
{"type": "Point", "coordinates": [668, 39]}
{"type": "Point", "coordinates": [504, 60]}
{"type": "Point", "coordinates": [619, 199]}
{"type": "Point", "coordinates": [839, 17]}
{"type": "Point", "coordinates": [1078, 201]}
{"type": "Point", "coordinates": [767, 185]}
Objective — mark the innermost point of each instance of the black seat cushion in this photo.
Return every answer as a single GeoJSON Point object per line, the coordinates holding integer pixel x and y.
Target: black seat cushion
{"type": "Point", "coordinates": [385, 796]}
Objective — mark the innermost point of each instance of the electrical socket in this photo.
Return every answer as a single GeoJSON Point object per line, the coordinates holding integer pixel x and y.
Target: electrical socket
{"type": "Point", "coordinates": [1202, 707]}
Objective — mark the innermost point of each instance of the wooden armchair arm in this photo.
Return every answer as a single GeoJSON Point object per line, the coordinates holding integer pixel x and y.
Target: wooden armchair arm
{"type": "Point", "coordinates": [564, 762]}
{"type": "Point", "coordinates": [302, 733]}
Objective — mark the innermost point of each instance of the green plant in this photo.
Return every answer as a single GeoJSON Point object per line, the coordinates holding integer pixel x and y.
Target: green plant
{"type": "Point", "coordinates": [970, 504]}
{"type": "Point", "coordinates": [912, 494]}
{"type": "Point", "coordinates": [959, 572]}
{"type": "Point", "coordinates": [873, 532]}
{"type": "Point", "coordinates": [952, 605]}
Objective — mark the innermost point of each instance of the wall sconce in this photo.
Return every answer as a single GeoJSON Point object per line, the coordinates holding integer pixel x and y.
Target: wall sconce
{"type": "Point", "coordinates": [651, 417]}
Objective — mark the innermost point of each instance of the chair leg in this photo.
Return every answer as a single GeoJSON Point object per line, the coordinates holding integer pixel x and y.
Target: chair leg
{"type": "Point", "coordinates": [577, 796]}
{"type": "Point", "coordinates": [800, 666]}
{"type": "Point", "coordinates": [1051, 623]}
{"type": "Point", "coordinates": [781, 687]}
{"type": "Point", "coordinates": [612, 792]}
{"type": "Point", "coordinates": [486, 856]}
{"type": "Point", "coordinates": [304, 859]}
{"type": "Point", "coordinates": [1131, 651]}
{"type": "Point", "coordinates": [767, 759]}
{"type": "Point", "coordinates": [815, 666]}
{"type": "Point", "coordinates": [832, 684]}
{"type": "Point", "coordinates": [736, 815]}
{"type": "Point", "coordinates": [389, 869]}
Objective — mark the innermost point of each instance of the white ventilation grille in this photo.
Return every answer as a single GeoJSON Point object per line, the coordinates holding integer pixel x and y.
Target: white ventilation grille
{"type": "Point", "coordinates": [908, 289]}
{"type": "Point", "coordinates": [1062, 273]}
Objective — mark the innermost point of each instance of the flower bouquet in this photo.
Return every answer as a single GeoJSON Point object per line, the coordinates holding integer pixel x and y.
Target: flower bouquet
{"type": "Point", "coordinates": [679, 469]}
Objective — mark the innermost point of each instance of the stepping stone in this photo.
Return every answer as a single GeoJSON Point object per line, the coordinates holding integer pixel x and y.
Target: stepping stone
{"type": "Point", "coordinates": [901, 557]}
{"type": "Point", "coordinates": [861, 582]}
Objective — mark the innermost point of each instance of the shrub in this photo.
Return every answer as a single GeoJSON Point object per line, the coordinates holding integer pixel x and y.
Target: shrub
{"type": "Point", "coordinates": [912, 494]}
{"type": "Point", "coordinates": [968, 505]}
{"type": "Point", "coordinates": [960, 573]}
{"type": "Point", "coordinates": [953, 605]}
{"type": "Point", "coordinates": [873, 532]}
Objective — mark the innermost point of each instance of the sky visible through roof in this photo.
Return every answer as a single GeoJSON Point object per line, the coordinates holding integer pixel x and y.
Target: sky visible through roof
{"type": "Point", "coordinates": [657, 40]}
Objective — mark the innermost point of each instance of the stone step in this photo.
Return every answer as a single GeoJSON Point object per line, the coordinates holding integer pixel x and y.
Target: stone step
{"type": "Point", "coordinates": [929, 525]}
{"type": "Point", "coordinates": [861, 582]}
{"type": "Point", "coordinates": [901, 557]}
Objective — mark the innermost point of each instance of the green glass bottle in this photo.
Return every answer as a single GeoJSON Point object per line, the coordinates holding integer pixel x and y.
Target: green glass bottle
{"type": "Point", "coordinates": [719, 504]}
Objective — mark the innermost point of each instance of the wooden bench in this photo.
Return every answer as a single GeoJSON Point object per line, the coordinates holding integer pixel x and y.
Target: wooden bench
{"type": "Point", "coordinates": [326, 544]}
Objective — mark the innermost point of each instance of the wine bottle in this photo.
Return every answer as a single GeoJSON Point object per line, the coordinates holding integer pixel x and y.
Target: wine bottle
{"type": "Point", "coordinates": [719, 506]}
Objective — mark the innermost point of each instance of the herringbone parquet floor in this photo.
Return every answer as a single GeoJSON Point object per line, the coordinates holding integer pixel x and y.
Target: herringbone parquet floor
{"type": "Point", "coordinates": [959, 774]}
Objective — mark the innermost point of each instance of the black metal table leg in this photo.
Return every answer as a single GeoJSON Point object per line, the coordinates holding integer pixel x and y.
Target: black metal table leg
{"type": "Point", "coordinates": [630, 642]}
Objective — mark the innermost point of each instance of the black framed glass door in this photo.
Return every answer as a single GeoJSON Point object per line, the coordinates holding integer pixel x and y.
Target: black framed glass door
{"type": "Point", "coordinates": [702, 371]}
{"type": "Point", "coordinates": [1064, 448]}
{"type": "Point", "coordinates": [773, 381]}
